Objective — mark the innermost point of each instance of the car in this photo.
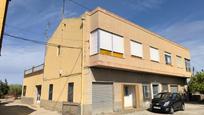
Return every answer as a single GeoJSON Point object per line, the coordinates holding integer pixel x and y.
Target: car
{"type": "Point", "coordinates": [167, 102]}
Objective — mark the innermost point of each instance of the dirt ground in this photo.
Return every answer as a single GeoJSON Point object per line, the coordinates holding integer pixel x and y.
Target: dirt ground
{"type": "Point", "coordinates": [16, 108]}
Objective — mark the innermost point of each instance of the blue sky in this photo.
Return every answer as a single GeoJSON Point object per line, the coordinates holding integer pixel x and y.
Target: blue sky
{"type": "Point", "coordinates": [181, 21]}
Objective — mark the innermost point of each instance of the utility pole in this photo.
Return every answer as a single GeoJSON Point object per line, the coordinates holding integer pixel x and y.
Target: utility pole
{"type": "Point", "coordinates": [63, 7]}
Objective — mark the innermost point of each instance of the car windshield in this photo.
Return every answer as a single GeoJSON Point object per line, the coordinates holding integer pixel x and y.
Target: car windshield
{"type": "Point", "coordinates": [162, 95]}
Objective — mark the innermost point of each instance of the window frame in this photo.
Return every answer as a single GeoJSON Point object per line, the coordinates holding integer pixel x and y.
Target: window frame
{"type": "Point", "coordinates": [70, 95]}
{"type": "Point", "coordinates": [166, 55]}
{"type": "Point", "coordinates": [187, 64]}
{"type": "Point", "coordinates": [131, 50]}
{"type": "Point", "coordinates": [148, 93]}
{"type": "Point", "coordinates": [50, 92]}
{"type": "Point", "coordinates": [151, 47]}
{"type": "Point", "coordinates": [106, 51]}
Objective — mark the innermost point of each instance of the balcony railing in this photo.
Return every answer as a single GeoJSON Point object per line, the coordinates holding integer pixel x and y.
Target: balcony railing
{"type": "Point", "coordinates": [34, 69]}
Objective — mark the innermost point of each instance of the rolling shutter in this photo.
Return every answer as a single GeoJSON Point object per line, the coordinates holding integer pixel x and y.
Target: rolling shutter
{"type": "Point", "coordinates": [94, 43]}
{"type": "Point", "coordinates": [136, 49]}
{"type": "Point", "coordinates": [118, 44]}
{"type": "Point", "coordinates": [105, 40]}
{"type": "Point", "coordinates": [154, 54]}
{"type": "Point", "coordinates": [102, 98]}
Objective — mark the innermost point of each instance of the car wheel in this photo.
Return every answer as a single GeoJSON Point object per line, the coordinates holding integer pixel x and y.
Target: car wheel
{"type": "Point", "coordinates": [182, 107]}
{"type": "Point", "coordinates": [171, 110]}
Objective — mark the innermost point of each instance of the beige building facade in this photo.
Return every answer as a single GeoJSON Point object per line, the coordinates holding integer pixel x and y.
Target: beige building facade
{"type": "Point", "coordinates": [101, 63]}
{"type": "Point", "coordinates": [3, 11]}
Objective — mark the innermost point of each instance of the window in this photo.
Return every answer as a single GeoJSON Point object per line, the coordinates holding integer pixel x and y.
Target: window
{"type": "Point", "coordinates": [146, 91]}
{"type": "Point", "coordinates": [167, 58]}
{"type": "Point", "coordinates": [179, 61]}
{"type": "Point", "coordinates": [155, 88]}
{"type": "Point", "coordinates": [174, 88]}
{"type": "Point", "coordinates": [24, 90]}
{"type": "Point", "coordinates": [50, 91]}
{"type": "Point", "coordinates": [187, 64]}
{"type": "Point", "coordinates": [106, 43]}
{"type": "Point", "coordinates": [136, 49]}
{"type": "Point", "coordinates": [94, 47]}
{"type": "Point", "coordinates": [165, 88]}
{"type": "Point", "coordinates": [58, 50]}
{"type": "Point", "coordinates": [70, 92]}
{"type": "Point", "coordinates": [154, 54]}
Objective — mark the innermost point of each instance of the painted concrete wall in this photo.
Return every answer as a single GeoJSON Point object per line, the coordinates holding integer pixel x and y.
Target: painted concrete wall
{"type": "Point", "coordinates": [120, 78]}
{"type": "Point", "coordinates": [30, 82]}
{"type": "Point", "coordinates": [64, 67]}
{"type": "Point", "coordinates": [103, 19]}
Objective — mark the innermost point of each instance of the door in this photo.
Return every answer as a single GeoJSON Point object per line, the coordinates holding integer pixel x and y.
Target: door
{"type": "Point", "coordinates": [129, 96]}
{"type": "Point", "coordinates": [102, 98]}
{"type": "Point", "coordinates": [38, 93]}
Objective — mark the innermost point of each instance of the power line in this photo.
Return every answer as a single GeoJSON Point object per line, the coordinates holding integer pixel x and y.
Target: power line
{"type": "Point", "coordinates": [81, 5]}
{"type": "Point", "coordinates": [40, 42]}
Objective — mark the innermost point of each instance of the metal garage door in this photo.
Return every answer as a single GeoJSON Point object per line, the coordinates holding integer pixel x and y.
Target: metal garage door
{"type": "Point", "coordinates": [102, 98]}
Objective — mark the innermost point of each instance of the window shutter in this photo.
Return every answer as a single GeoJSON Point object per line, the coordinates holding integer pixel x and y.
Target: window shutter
{"type": "Point", "coordinates": [154, 54]}
{"type": "Point", "coordinates": [118, 44]}
{"type": "Point", "coordinates": [136, 49]}
{"type": "Point", "coordinates": [105, 40]}
{"type": "Point", "coordinates": [94, 43]}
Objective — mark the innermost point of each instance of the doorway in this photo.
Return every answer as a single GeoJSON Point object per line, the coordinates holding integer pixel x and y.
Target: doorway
{"type": "Point", "coordinates": [38, 93]}
{"type": "Point", "coordinates": [129, 96]}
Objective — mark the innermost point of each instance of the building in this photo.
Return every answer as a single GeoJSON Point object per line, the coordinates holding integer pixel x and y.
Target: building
{"type": "Point", "coordinates": [102, 63]}
{"type": "Point", "coordinates": [3, 11]}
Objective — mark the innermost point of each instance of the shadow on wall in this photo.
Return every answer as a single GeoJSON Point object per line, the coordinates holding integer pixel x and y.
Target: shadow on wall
{"type": "Point", "coordinates": [14, 110]}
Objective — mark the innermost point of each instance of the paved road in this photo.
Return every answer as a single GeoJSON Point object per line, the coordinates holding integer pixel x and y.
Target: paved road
{"type": "Point", "coordinates": [191, 109]}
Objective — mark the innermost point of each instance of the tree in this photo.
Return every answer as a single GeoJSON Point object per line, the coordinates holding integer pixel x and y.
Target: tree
{"type": "Point", "coordinates": [4, 88]}
{"type": "Point", "coordinates": [196, 83]}
{"type": "Point", "coordinates": [15, 90]}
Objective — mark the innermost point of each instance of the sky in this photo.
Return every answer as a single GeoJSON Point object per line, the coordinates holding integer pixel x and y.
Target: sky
{"type": "Point", "coordinates": [181, 21]}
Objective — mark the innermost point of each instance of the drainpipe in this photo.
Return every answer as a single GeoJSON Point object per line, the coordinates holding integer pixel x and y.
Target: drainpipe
{"type": "Point", "coordinates": [82, 65]}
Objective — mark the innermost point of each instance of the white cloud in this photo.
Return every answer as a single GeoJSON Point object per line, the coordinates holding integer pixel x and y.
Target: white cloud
{"type": "Point", "coordinates": [190, 34]}
{"type": "Point", "coordinates": [15, 60]}
{"type": "Point", "coordinates": [143, 5]}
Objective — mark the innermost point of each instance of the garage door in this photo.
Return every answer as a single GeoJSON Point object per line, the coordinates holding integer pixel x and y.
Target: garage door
{"type": "Point", "coordinates": [102, 98]}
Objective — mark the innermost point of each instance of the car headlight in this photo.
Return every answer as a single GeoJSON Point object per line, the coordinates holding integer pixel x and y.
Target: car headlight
{"type": "Point", "coordinates": [166, 103]}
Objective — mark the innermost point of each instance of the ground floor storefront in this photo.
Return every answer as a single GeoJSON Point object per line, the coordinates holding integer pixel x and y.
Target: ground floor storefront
{"type": "Point", "coordinates": [104, 91]}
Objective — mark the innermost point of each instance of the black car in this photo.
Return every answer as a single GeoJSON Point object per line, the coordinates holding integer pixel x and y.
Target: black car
{"type": "Point", "coordinates": [167, 102]}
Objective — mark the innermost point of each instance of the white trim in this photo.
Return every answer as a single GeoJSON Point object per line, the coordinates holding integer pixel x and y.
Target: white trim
{"type": "Point", "coordinates": [159, 86]}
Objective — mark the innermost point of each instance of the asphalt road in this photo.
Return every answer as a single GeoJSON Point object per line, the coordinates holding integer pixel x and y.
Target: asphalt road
{"type": "Point", "coordinates": [14, 110]}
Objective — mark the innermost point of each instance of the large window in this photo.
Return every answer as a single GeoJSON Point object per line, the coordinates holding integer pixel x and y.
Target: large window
{"type": "Point", "coordinates": [154, 54]}
{"type": "Point", "coordinates": [179, 61]}
{"type": "Point", "coordinates": [167, 58]}
{"type": "Point", "coordinates": [50, 91]}
{"type": "Point", "coordinates": [146, 91]}
{"type": "Point", "coordinates": [187, 64]}
{"type": "Point", "coordinates": [106, 43]}
{"type": "Point", "coordinates": [70, 92]}
{"type": "Point", "coordinates": [24, 90]}
{"type": "Point", "coordinates": [136, 49]}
